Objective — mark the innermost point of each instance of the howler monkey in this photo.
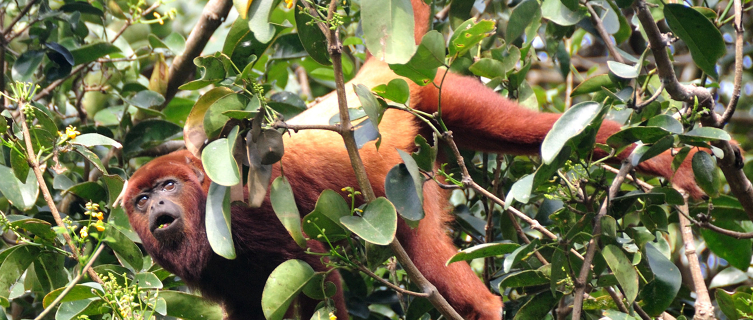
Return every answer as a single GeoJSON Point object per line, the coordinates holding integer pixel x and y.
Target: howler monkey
{"type": "Point", "coordinates": [165, 199]}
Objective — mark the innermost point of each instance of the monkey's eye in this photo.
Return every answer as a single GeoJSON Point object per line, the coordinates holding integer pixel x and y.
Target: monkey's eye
{"type": "Point", "coordinates": [169, 186]}
{"type": "Point", "coordinates": [141, 201]}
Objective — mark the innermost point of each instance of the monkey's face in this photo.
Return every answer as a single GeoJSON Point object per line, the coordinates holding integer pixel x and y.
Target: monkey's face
{"type": "Point", "coordinates": [165, 201]}
{"type": "Point", "coordinates": [158, 204]}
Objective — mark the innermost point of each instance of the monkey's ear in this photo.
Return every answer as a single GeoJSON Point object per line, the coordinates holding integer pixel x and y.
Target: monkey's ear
{"type": "Point", "coordinates": [199, 173]}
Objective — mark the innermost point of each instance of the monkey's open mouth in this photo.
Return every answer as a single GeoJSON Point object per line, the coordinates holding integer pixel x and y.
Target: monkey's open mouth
{"type": "Point", "coordinates": [164, 224]}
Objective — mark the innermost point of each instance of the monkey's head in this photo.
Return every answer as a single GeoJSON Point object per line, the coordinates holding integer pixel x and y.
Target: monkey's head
{"type": "Point", "coordinates": [165, 202]}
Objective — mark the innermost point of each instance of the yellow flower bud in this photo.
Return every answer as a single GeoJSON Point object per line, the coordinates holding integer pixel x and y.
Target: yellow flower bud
{"type": "Point", "coordinates": [99, 227]}
{"type": "Point", "coordinates": [332, 316]}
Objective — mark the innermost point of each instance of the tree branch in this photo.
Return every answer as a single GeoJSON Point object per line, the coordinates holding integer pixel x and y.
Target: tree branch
{"type": "Point", "coordinates": [739, 30]}
{"type": "Point", "coordinates": [704, 310]}
{"type": "Point", "coordinates": [731, 164]}
{"type": "Point", "coordinates": [603, 34]}
{"type": "Point", "coordinates": [212, 16]}
{"type": "Point", "coordinates": [580, 282]}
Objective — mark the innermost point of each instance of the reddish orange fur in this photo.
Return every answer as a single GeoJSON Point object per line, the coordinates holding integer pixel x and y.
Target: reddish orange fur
{"type": "Point", "coordinates": [315, 160]}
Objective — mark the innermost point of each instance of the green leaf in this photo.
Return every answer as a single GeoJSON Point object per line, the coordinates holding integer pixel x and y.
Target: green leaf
{"type": "Point", "coordinates": [726, 304]}
{"type": "Point", "coordinates": [519, 254]}
{"type": "Point", "coordinates": [396, 90]}
{"type": "Point", "coordinates": [525, 278]}
{"type": "Point", "coordinates": [19, 194]}
{"type": "Point", "coordinates": [370, 105]}
{"type": "Point", "coordinates": [468, 34]}
{"type": "Point", "coordinates": [147, 134]}
{"type": "Point", "coordinates": [655, 218]}
{"type": "Point", "coordinates": [665, 122]}
{"type": "Point", "coordinates": [388, 29]}
{"type": "Point", "coordinates": [82, 7]}
{"type": "Point", "coordinates": [325, 219]}
{"type": "Point", "coordinates": [215, 119]}
{"type": "Point", "coordinates": [593, 84]}
{"type": "Point", "coordinates": [700, 35]}
{"type": "Point", "coordinates": [658, 294]}
{"type": "Point", "coordinates": [219, 163]}
{"type": "Point", "coordinates": [482, 251]}
{"type": "Point", "coordinates": [644, 152]}
{"type": "Point", "coordinates": [422, 67]}
{"type": "Point", "coordinates": [26, 64]}
{"type": "Point", "coordinates": [558, 13]}
{"type": "Point", "coordinates": [404, 188]}
{"type": "Point", "coordinates": [572, 123]}
{"type": "Point", "coordinates": [193, 131]}
{"type": "Point", "coordinates": [89, 190]}
{"type": "Point", "coordinates": [258, 21]}
{"type": "Point", "coordinates": [736, 251]}
{"type": "Point", "coordinates": [538, 307]}
{"type": "Point", "coordinates": [312, 38]}
{"type": "Point", "coordinates": [520, 18]}
{"type": "Point", "coordinates": [702, 134]}
{"type": "Point", "coordinates": [704, 170]}
{"type": "Point", "coordinates": [627, 136]}
{"type": "Point", "coordinates": [90, 156]}
{"type": "Point", "coordinates": [72, 309]}
{"type": "Point", "coordinates": [283, 203]}
{"type": "Point", "coordinates": [78, 292]}
{"type": "Point", "coordinates": [147, 280]}
{"type": "Point", "coordinates": [378, 223]}
{"type": "Point", "coordinates": [489, 68]}
{"type": "Point", "coordinates": [39, 228]}
{"type": "Point", "coordinates": [218, 220]}
{"type": "Point", "coordinates": [624, 271]}
{"type": "Point", "coordinates": [93, 51]}
{"type": "Point", "coordinates": [520, 191]}
{"type": "Point", "coordinates": [283, 286]}
{"type": "Point", "coordinates": [13, 262]}
{"type": "Point", "coordinates": [624, 71]}
{"type": "Point", "coordinates": [95, 139]}
{"type": "Point", "coordinates": [127, 252]}
{"type": "Point", "coordinates": [190, 307]}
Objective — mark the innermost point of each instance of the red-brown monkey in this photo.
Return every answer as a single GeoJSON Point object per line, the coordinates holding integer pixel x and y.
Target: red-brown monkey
{"type": "Point", "coordinates": [165, 199]}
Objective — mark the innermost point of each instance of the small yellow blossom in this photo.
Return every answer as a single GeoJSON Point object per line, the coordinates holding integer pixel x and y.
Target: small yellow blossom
{"type": "Point", "coordinates": [100, 226]}
{"type": "Point", "coordinates": [84, 233]}
{"type": "Point", "coordinates": [289, 3]}
{"type": "Point", "coordinates": [332, 316]}
{"type": "Point", "coordinates": [92, 206]}
{"type": "Point", "coordinates": [70, 133]}
{"type": "Point", "coordinates": [159, 17]}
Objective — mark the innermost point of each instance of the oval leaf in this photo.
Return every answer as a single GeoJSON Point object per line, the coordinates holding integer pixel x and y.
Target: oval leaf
{"type": "Point", "coordinates": [283, 203]}
{"type": "Point", "coordinates": [283, 286]}
{"type": "Point", "coordinates": [378, 224]}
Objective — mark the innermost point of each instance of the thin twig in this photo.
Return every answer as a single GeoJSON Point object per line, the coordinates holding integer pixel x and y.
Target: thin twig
{"type": "Point", "coordinates": [656, 95]}
{"type": "Point", "coordinates": [20, 15]}
{"type": "Point", "coordinates": [297, 127]}
{"type": "Point", "coordinates": [603, 33]}
{"type": "Point", "coordinates": [739, 30]}
{"type": "Point", "coordinates": [390, 284]}
{"type": "Point", "coordinates": [617, 298]}
{"type": "Point", "coordinates": [34, 164]}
